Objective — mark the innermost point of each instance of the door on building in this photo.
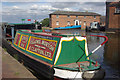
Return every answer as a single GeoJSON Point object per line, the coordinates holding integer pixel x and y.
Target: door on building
{"type": "Point", "coordinates": [76, 22]}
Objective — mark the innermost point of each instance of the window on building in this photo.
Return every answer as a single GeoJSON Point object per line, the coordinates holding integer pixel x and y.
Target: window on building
{"type": "Point", "coordinates": [68, 16]}
{"type": "Point", "coordinates": [57, 22]}
{"type": "Point", "coordinates": [57, 16]}
{"type": "Point", "coordinates": [117, 10]}
{"type": "Point", "coordinates": [84, 16]}
{"type": "Point", "coordinates": [76, 16]}
{"type": "Point", "coordinates": [94, 17]}
{"type": "Point", "coordinates": [80, 21]}
{"type": "Point", "coordinates": [84, 23]}
{"type": "Point", "coordinates": [68, 23]}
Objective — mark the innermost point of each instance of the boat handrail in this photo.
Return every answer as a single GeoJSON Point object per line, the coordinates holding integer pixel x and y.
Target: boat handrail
{"type": "Point", "coordinates": [100, 44]}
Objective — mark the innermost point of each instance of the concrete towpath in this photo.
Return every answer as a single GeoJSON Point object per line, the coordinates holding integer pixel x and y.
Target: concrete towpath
{"type": "Point", "coordinates": [11, 68]}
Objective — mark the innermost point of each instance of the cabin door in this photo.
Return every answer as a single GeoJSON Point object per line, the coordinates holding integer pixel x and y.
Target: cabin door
{"type": "Point", "coordinates": [76, 22]}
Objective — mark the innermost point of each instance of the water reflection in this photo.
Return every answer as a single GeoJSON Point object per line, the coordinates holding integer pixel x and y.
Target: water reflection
{"type": "Point", "coordinates": [72, 31]}
{"type": "Point", "coordinates": [112, 49]}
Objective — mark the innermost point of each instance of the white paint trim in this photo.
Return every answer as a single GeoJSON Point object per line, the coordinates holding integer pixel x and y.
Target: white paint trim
{"type": "Point", "coordinates": [67, 74]}
{"type": "Point", "coordinates": [91, 72]}
{"type": "Point", "coordinates": [79, 38]}
{"type": "Point", "coordinates": [96, 49]}
{"type": "Point", "coordinates": [86, 48]}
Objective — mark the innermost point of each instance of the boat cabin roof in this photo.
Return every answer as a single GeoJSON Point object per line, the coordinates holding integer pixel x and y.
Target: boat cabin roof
{"type": "Point", "coordinates": [48, 33]}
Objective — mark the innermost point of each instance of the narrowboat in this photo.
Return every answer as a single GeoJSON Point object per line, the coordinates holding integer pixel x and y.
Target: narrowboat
{"type": "Point", "coordinates": [69, 27]}
{"type": "Point", "coordinates": [55, 55]}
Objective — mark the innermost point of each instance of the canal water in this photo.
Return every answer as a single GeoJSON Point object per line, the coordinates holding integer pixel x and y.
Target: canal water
{"type": "Point", "coordinates": [107, 55]}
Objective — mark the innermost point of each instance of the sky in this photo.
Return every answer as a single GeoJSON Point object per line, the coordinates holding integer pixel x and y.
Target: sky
{"type": "Point", "coordinates": [13, 11]}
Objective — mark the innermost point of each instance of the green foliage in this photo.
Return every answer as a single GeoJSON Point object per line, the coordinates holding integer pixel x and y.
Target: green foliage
{"type": "Point", "coordinates": [5, 49]}
{"type": "Point", "coordinates": [17, 73]}
{"type": "Point", "coordinates": [45, 22]}
{"type": "Point", "coordinates": [16, 56]}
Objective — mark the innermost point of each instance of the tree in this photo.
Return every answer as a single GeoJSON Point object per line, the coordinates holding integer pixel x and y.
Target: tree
{"type": "Point", "coordinates": [45, 22]}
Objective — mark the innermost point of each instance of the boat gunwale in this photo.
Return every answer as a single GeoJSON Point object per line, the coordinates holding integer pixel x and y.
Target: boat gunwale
{"type": "Point", "coordinates": [72, 63]}
{"type": "Point", "coordinates": [76, 69]}
{"type": "Point", "coordinates": [42, 34]}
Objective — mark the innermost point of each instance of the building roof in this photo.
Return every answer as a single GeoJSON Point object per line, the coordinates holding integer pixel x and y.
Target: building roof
{"type": "Point", "coordinates": [113, 4]}
{"type": "Point", "coordinates": [75, 13]}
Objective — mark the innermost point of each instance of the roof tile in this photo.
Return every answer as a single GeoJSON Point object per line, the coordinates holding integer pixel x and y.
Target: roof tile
{"type": "Point", "coordinates": [75, 13]}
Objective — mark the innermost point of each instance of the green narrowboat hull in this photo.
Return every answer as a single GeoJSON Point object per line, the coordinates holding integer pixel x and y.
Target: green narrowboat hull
{"type": "Point", "coordinates": [54, 53]}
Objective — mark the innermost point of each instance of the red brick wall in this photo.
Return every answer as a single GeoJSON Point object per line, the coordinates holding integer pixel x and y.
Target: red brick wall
{"type": "Point", "coordinates": [113, 18]}
{"type": "Point", "coordinates": [63, 20]}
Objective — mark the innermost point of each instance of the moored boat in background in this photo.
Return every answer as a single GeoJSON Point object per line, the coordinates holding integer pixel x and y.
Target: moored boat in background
{"type": "Point", "coordinates": [69, 27]}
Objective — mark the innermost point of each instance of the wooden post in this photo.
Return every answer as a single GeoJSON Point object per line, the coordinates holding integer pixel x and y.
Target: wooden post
{"type": "Point", "coordinates": [5, 31]}
{"type": "Point", "coordinates": [12, 30]}
{"type": "Point", "coordinates": [36, 26]}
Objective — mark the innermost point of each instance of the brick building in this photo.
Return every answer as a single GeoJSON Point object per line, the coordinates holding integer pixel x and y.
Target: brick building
{"type": "Point", "coordinates": [113, 15]}
{"type": "Point", "coordinates": [69, 18]}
